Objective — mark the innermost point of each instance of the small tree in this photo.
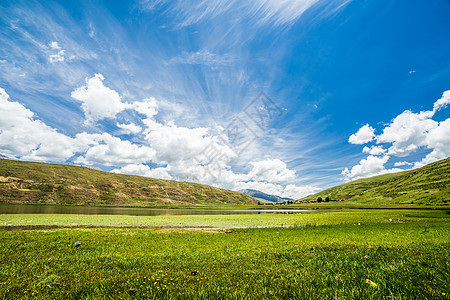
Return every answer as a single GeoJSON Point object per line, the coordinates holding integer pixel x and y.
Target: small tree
{"type": "Point", "coordinates": [319, 199]}
{"type": "Point", "coordinates": [327, 199]}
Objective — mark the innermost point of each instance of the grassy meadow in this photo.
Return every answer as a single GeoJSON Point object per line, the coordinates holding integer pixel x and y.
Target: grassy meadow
{"type": "Point", "coordinates": [324, 255]}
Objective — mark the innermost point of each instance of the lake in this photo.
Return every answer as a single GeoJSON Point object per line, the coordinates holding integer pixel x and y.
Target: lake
{"type": "Point", "coordinates": [133, 211]}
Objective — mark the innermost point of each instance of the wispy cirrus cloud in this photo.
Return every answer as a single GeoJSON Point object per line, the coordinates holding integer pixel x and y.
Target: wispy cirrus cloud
{"type": "Point", "coordinates": [273, 12]}
{"type": "Point", "coordinates": [202, 57]}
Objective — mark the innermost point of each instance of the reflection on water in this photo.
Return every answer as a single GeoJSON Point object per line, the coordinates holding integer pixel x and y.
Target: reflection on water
{"type": "Point", "coordinates": [96, 210]}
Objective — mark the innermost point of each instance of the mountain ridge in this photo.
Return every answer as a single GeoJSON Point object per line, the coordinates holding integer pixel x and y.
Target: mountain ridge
{"type": "Point", "coordinates": [264, 196]}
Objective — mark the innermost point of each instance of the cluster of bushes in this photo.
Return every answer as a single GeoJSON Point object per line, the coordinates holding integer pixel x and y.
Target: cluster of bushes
{"type": "Point", "coordinates": [327, 199]}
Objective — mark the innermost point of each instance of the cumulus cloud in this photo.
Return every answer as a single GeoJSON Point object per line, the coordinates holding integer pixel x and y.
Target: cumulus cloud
{"type": "Point", "coordinates": [297, 192]}
{"type": "Point", "coordinates": [370, 166]}
{"type": "Point", "coordinates": [144, 170]}
{"type": "Point", "coordinates": [21, 135]}
{"type": "Point", "coordinates": [437, 139]}
{"type": "Point", "coordinates": [442, 102]}
{"type": "Point", "coordinates": [406, 133]}
{"type": "Point", "coordinates": [273, 170]}
{"type": "Point", "coordinates": [374, 150]}
{"type": "Point", "coordinates": [59, 55]}
{"type": "Point", "coordinates": [364, 135]}
{"type": "Point", "coordinates": [129, 128]}
{"type": "Point", "coordinates": [147, 107]}
{"type": "Point", "coordinates": [113, 151]}
{"type": "Point", "coordinates": [286, 191]}
{"type": "Point", "coordinates": [98, 101]}
{"type": "Point", "coordinates": [402, 163]}
{"type": "Point", "coordinates": [174, 144]}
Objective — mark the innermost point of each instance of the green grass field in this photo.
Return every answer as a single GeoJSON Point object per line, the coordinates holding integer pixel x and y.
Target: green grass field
{"type": "Point", "coordinates": [324, 255]}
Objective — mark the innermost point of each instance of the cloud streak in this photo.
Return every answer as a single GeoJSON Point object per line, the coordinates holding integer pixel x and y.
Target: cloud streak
{"type": "Point", "coordinates": [267, 12]}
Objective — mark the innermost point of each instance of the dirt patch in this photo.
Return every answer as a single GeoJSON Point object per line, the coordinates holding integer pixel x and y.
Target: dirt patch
{"type": "Point", "coordinates": [161, 229]}
{"type": "Point", "coordinates": [129, 233]}
{"type": "Point", "coordinates": [6, 179]}
{"type": "Point", "coordinates": [195, 230]}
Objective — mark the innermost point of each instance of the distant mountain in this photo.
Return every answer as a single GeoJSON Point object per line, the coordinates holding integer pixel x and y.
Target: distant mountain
{"type": "Point", "coordinates": [3, 156]}
{"type": "Point", "coordinates": [263, 196]}
{"type": "Point", "coordinates": [429, 185]}
{"type": "Point", "coordinates": [32, 182]}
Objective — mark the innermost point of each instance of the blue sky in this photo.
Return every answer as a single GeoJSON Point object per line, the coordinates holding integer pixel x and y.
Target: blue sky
{"type": "Point", "coordinates": [350, 89]}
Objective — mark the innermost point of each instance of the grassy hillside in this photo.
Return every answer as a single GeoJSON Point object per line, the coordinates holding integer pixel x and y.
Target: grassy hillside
{"type": "Point", "coordinates": [429, 185]}
{"type": "Point", "coordinates": [30, 182]}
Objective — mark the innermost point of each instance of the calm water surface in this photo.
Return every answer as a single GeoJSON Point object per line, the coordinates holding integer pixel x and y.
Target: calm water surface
{"type": "Point", "coordinates": [95, 210]}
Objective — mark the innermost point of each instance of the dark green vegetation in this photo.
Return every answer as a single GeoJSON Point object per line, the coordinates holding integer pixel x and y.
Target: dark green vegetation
{"type": "Point", "coordinates": [30, 182]}
{"type": "Point", "coordinates": [406, 254]}
{"type": "Point", "coordinates": [429, 185]}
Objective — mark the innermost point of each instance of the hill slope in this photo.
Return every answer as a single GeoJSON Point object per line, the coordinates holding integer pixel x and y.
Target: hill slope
{"type": "Point", "coordinates": [427, 185]}
{"type": "Point", "coordinates": [31, 182]}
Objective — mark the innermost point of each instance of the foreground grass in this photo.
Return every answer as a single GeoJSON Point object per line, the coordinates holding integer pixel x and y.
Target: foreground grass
{"type": "Point", "coordinates": [323, 257]}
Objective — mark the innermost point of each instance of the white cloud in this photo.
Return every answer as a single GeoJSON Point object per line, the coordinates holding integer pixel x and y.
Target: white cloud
{"type": "Point", "coordinates": [437, 139]}
{"type": "Point", "coordinates": [174, 144]}
{"type": "Point", "coordinates": [407, 132]}
{"type": "Point", "coordinates": [374, 150]}
{"type": "Point", "coordinates": [113, 151]}
{"type": "Point", "coordinates": [371, 166]}
{"type": "Point", "coordinates": [98, 101]}
{"type": "Point", "coordinates": [147, 107]}
{"type": "Point", "coordinates": [272, 170]}
{"type": "Point", "coordinates": [442, 102]}
{"type": "Point", "coordinates": [144, 170]}
{"type": "Point", "coordinates": [59, 55]}
{"type": "Point", "coordinates": [129, 128]}
{"type": "Point", "coordinates": [21, 135]}
{"type": "Point", "coordinates": [402, 163]}
{"type": "Point", "coordinates": [364, 135]}
{"type": "Point", "coordinates": [297, 192]}
{"type": "Point", "coordinates": [289, 191]}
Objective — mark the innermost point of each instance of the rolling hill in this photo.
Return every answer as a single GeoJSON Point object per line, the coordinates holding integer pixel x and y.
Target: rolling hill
{"type": "Point", "coordinates": [429, 185]}
{"type": "Point", "coordinates": [32, 182]}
